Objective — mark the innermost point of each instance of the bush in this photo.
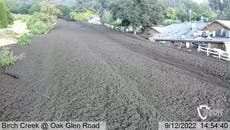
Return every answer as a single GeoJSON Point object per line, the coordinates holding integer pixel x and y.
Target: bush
{"type": "Point", "coordinates": [65, 11]}
{"type": "Point", "coordinates": [36, 7]}
{"type": "Point", "coordinates": [36, 25]}
{"type": "Point", "coordinates": [170, 21]}
{"type": "Point", "coordinates": [18, 6]}
{"type": "Point", "coordinates": [10, 18]}
{"type": "Point", "coordinates": [117, 22]}
{"type": "Point", "coordinates": [81, 16]}
{"type": "Point", "coordinates": [22, 17]}
{"type": "Point", "coordinates": [6, 57]}
{"type": "Point", "coordinates": [43, 22]}
{"type": "Point", "coordinates": [39, 27]}
{"type": "Point", "coordinates": [49, 13]}
{"type": "Point", "coordinates": [24, 40]}
{"type": "Point", "coordinates": [107, 17]}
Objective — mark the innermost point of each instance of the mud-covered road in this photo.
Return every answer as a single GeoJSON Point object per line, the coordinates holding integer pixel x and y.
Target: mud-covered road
{"type": "Point", "coordinates": [82, 72]}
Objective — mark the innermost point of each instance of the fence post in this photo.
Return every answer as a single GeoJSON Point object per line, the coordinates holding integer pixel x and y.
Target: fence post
{"type": "Point", "coordinates": [198, 48]}
{"type": "Point", "coordinates": [219, 55]}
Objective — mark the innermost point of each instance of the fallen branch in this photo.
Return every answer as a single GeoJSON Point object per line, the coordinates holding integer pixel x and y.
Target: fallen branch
{"type": "Point", "coordinates": [15, 76]}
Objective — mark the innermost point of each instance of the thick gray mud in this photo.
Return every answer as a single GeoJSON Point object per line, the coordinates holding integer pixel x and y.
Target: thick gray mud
{"type": "Point", "coordinates": [82, 72]}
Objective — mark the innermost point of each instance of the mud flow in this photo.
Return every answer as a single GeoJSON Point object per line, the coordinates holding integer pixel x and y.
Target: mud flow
{"type": "Point", "coordinates": [82, 72]}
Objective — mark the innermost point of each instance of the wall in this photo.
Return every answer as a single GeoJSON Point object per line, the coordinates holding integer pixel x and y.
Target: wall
{"type": "Point", "coordinates": [150, 31]}
{"type": "Point", "coordinates": [214, 27]}
{"type": "Point", "coordinates": [219, 46]}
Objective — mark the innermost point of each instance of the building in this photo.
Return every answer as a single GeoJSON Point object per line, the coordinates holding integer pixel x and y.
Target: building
{"type": "Point", "coordinates": [155, 29]}
{"type": "Point", "coordinates": [217, 25]}
{"type": "Point", "coordinates": [214, 37]}
{"type": "Point", "coordinates": [220, 29]}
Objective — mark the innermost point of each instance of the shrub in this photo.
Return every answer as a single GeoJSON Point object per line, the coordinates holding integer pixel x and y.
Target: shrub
{"type": "Point", "coordinates": [22, 17]}
{"type": "Point", "coordinates": [39, 27]}
{"type": "Point", "coordinates": [36, 25]}
{"type": "Point", "coordinates": [49, 13]}
{"type": "Point", "coordinates": [65, 11]}
{"type": "Point", "coordinates": [107, 17]}
{"type": "Point", "coordinates": [18, 6]}
{"type": "Point", "coordinates": [117, 22]}
{"type": "Point", "coordinates": [170, 21]}
{"type": "Point", "coordinates": [6, 57]}
{"type": "Point", "coordinates": [36, 7]}
{"type": "Point", "coordinates": [24, 40]}
{"type": "Point", "coordinates": [10, 18]}
{"type": "Point", "coordinates": [72, 15]}
{"type": "Point", "coordinates": [82, 16]}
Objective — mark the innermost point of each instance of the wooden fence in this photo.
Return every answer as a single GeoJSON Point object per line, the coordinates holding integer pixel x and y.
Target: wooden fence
{"type": "Point", "coordinates": [220, 54]}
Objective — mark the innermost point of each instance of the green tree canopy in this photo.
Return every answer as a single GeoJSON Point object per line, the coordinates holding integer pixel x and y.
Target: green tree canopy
{"type": "Point", "coordinates": [180, 9]}
{"type": "Point", "coordinates": [87, 5]}
{"type": "Point", "coordinates": [137, 12]}
{"type": "Point", "coordinates": [172, 13]}
{"type": "Point", "coordinates": [5, 16]}
{"type": "Point", "coordinates": [65, 11]}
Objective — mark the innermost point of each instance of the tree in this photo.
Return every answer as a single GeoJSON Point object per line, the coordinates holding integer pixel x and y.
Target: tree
{"type": "Point", "coordinates": [137, 12]}
{"type": "Point", "coordinates": [87, 5]}
{"type": "Point", "coordinates": [227, 10]}
{"type": "Point", "coordinates": [49, 12]}
{"type": "Point", "coordinates": [127, 10]}
{"type": "Point", "coordinates": [107, 17]}
{"type": "Point", "coordinates": [208, 13]}
{"type": "Point", "coordinates": [182, 7]}
{"type": "Point", "coordinates": [220, 6]}
{"type": "Point", "coordinates": [183, 15]}
{"type": "Point", "coordinates": [18, 7]}
{"type": "Point", "coordinates": [65, 11]}
{"type": "Point", "coordinates": [5, 16]}
{"type": "Point", "coordinates": [172, 13]}
{"type": "Point", "coordinates": [36, 7]}
{"type": "Point", "coordinates": [151, 12]}
{"type": "Point", "coordinates": [103, 5]}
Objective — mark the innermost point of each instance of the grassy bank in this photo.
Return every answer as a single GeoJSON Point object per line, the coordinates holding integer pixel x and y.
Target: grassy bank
{"type": "Point", "coordinates": [6, 57]}
{"type": "Point", "coordinates": [38, 23]}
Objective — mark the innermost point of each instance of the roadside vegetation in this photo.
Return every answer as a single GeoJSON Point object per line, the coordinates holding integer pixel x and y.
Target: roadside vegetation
{"type": "Point", "coordinates": [40, 18]}
{"type": "Point", "coordinates": [65, 11]}
{"type": "Point", "coordinates": [83, 16]}
{"type": "Point", "coordinates": [5, 17]}
{"type": "Point", "coordinates": [145, 13]}
{"type": "Point", "coordinates": [6, 57]}
{"type": "Point", "coordinates": [24, 39]}
{"type": "Point", "coordinates": [39, 22]}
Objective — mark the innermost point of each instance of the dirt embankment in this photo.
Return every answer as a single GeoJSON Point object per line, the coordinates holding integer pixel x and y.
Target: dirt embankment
{"type": "Point", "coordinates": [88, 72]}
{"type": "Point", "coordinates": [10, 35]}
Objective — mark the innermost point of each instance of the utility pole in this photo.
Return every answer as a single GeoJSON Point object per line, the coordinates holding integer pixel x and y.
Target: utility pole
{"type": "Point", "coordinates": [174, 3]}
{"type": "Point", "coordinates": [190, 15]}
